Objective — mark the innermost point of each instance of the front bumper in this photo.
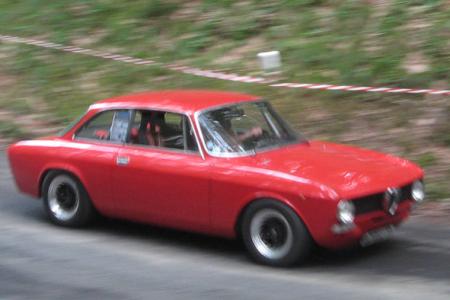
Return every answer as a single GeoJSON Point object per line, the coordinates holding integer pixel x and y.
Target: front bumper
{"type": "Point", "coordinates": [346, 236]}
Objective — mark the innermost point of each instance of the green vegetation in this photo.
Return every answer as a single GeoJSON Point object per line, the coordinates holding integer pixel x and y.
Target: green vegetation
{"type": "Point", "coordinates": [10, 130]}
{"type": "Point", "coordinates": [426, 160]}
{"type": "Point", "coordinates": [437, 191]}
{"type": "Point", "coordinates": [394, 43]}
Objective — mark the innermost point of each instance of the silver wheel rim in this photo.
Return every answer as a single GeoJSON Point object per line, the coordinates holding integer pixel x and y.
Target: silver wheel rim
{"type": "Point", "coordinates": [271, 233]}
{"type": "Point", "coordinates": [63, 198]}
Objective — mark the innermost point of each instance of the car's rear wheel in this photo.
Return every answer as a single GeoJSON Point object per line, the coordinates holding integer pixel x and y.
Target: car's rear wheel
{"type": "Point", "coordinates": [274, 234]}
{"type": "Point", "coordinates": [66, 201]}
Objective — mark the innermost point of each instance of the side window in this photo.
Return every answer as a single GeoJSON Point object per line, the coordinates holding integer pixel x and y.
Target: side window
{"type": "Point", "coordinates": [109, 125]}
{"type": "Point", "coordinates": [162, 129]}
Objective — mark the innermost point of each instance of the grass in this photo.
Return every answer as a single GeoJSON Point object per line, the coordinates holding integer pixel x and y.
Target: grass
{"type": "Point", "coordinates": [340, 42]}
{"type": "Point", "coordinates": [426, 160]}
{"type": "Point", "coordinates": [339, 39]}
{"type": "Point", "coordinates": [437, 191]}
{"type": "Point", "coordinates": [16, 104]}
{"type": "Point", "coordinates": [441, 133]}
{"type": "Point", "coordinates": [10, 130]}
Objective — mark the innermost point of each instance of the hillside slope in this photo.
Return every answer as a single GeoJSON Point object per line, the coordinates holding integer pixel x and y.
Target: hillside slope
{"type": "Point", "coordinates": [372, 42]}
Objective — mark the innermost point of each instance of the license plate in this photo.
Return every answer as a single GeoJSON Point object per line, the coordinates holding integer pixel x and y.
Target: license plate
{"type": "Point", "coordinates": [377, 235]}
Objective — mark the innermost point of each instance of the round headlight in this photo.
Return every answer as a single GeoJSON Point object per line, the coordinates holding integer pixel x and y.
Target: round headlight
{"type": "Point", "coordinates": [345, 212]}
{"type": "Point", "coordinates": [418, 191]}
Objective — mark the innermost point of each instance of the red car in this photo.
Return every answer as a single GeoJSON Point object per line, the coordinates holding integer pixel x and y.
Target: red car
{"type": "Point", "coordinates": [218, 163]}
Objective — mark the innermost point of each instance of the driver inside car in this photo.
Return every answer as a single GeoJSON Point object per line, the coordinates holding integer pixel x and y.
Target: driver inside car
{"type": "Point", "coordinates": [224, 118]}
{"type": "Point", "coordinates": [152, 129]}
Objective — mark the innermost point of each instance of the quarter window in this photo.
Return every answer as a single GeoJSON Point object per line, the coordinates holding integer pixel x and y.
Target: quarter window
{"type": "Point", "coordinates": [110, 125]}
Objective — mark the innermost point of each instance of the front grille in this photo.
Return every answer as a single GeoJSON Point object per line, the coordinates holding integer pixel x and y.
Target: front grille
{"type": "Point", "coordinates": [375, 202]}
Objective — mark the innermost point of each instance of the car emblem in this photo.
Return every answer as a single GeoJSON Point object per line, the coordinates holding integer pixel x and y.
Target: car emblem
{"type": "Point", "coordinates": [391, 200]}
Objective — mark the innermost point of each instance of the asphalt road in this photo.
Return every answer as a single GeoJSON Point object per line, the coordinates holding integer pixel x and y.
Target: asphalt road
{"type": "Point", "coordinates": [119, 260]}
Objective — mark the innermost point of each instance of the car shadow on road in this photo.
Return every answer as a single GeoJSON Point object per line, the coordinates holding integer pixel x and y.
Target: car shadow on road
{"type": "Point", "coordinates": [400, 256]}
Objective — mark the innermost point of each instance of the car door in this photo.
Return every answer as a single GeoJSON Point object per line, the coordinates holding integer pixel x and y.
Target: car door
{"type": "Point", "coordinates": [166, 183]}
{"type": "Point", "coordinates": [93, 151]}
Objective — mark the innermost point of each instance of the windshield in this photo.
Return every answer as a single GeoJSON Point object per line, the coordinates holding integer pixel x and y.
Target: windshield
{"type": "Point", "coordinates": [243, 128]}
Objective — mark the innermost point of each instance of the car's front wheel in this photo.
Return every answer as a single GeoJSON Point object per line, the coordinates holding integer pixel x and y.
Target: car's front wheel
{"type": "Point", "coordinates": [66, 201]}
{"type": "Point", "coordinates": [274, 234]}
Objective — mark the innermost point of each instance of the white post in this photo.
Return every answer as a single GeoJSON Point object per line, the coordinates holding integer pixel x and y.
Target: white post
{"type": "Point", "coordinates": [270, 61]}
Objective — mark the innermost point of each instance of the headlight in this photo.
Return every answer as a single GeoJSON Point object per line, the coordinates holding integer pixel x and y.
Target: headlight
{"type": "Point", "coordinates": [345, 212]}
{"type": "Point", "coordinates": [418, 191]}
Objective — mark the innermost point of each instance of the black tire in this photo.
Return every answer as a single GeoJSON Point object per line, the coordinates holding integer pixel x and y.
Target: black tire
{"type": "Point", "coordinates": [66, 201]}
{"type": "Point", "coordinates": [274, 234]}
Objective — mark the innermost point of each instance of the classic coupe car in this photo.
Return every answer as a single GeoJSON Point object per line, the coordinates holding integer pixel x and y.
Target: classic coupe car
{"type": "Point", "coordinates": [219, 163]}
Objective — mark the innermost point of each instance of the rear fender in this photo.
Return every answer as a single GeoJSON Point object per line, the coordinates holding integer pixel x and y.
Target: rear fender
{"type": "Point", "coordinates": [63, 168]}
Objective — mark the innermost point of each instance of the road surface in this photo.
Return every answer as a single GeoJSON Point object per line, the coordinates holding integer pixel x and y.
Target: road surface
{"type": "Point", "coordinates": [120, 260]}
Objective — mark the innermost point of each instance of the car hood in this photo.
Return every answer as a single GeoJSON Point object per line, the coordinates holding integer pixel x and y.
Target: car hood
{"type": "Point", "coordinates": [348, 170]}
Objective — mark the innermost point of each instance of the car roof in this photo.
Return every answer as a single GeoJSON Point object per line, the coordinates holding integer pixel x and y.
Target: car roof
{"type": "Point", "coordinates": [187, 101]}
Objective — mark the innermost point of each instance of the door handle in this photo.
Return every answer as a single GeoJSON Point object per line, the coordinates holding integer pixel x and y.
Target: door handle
{"type": "Point", "coordinates": [122, 160]}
